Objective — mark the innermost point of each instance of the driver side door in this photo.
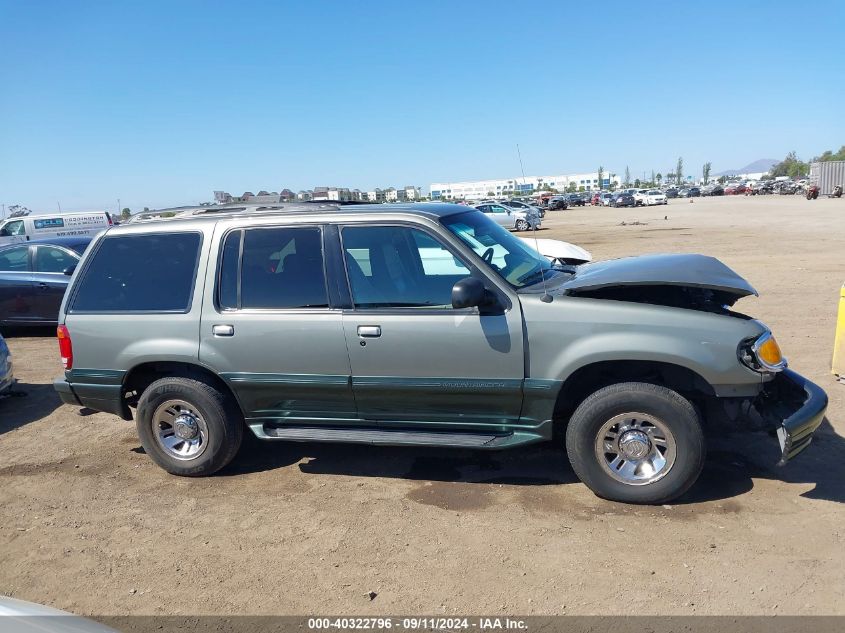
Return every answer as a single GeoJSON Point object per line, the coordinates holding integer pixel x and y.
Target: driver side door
{"type": "Point", "coordinates": [415, 359]}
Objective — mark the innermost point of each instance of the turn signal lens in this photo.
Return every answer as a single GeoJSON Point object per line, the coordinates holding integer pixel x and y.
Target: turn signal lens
{"type": "Point", "coordinates": [763, 354]}
{"type": "Point", "coordinates": [65, 346]}
{"type": "Point", "coordinates": [769, 352]}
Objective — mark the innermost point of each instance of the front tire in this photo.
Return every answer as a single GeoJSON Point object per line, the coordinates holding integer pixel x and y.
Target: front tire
{"type": "Point", "coordinates": [521, 225]}
{"type": "Point", "coordinates": [188, 427]}
{"type": "Point", "coordinates": [636, 443]}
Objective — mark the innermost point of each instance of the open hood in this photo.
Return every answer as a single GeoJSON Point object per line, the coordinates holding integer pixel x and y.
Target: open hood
{"type": "Point", "coordinates": [686, 271]}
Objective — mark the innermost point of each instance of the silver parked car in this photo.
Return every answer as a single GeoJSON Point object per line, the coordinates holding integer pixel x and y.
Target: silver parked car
{"type": "Point", "coordinates": [425, 325]}
{"type": "Point", "coordinates": [7, 379]}
{"type": "Point", "coordinates": [509, 217]}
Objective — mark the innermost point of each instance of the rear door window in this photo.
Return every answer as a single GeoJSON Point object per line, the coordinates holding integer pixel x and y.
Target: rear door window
{"type": "Point", "coordinates": [273, 269]}
{"type": "Point", "coordinates": [49, 259]}
{"type": "Point", "coordinates": [140, 273]}
{"type": "Point", "coordinates": [15, 260]}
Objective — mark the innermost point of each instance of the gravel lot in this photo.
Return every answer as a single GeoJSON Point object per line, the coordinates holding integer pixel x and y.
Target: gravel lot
{"type": "Point", "coordinates": [89, 524]}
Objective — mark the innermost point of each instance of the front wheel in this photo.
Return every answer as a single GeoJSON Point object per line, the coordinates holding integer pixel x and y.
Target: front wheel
{"type": "Point", "coordinates": [636, 443]}
{"type": "Point", "coordinates": [188, 427]}
{"type": "Point", "coordinates": [521, 225]}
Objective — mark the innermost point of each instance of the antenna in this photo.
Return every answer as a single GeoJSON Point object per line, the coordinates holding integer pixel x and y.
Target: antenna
{"type": "Point", "coordinates": [546, 298]}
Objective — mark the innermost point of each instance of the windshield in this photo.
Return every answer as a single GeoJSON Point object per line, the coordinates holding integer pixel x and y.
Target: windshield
{"type": "Point", "coordinates": [509, 256]}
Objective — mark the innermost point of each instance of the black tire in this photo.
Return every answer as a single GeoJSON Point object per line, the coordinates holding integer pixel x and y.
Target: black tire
{"type": "Point", "coordinates": [222, 419]}
{"type": "Point", "coordinates": [522, 225]}
{"type": "Point", "coordinates": [673, 410]}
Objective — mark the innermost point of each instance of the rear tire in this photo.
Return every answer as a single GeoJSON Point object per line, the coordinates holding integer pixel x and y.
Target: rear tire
{"type": "Point", "coordinates": [188, 427]}
{"type": "Point", "coordinates": [636, 443]}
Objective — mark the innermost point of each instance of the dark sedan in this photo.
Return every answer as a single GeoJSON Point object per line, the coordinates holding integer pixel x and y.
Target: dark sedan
{"type": "Point", "coordinates": [623, 199]}
{"type": "Point", "coordinates": [34, 277]}
{"type": "Point", "coordinates": [576, 199]}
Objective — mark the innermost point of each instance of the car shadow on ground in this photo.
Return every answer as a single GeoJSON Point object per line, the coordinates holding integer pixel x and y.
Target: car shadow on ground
{"type": "Point", "coordinates": [40, 331]}
{"type": "Point", "coordinates": [735, 460]}
{"type": "Point", "coordinates": [733, 463]}
{"type": "Point", "coordinates": [28, 403]}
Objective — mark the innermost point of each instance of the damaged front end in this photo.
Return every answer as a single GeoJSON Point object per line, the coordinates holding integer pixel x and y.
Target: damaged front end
{"type": "Point", "coordinates": [794, 407]}
{"type": "Point", "coordinates": [694, 282]}
{"type": "Point", "coordinates": [787, 404]}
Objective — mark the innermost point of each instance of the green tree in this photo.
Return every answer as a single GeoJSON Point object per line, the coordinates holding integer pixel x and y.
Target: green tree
{"type": "Point", "coordinates": [490, 194]}
{"type": "Point", "coordinates": [670, 177]}
{"type": "Point", "coordinates": [828, 155]}
{"type": "Point", "coordinates": [571, 187]}
{"type": "Point", "coordinates": [790, 166]}
{"type": "Point", "coordinates": [659, 178]}
{"type": "Point", "coordinates": [722, 180]}
{"type": "Point", "coordinates": [637, 183]}
{"type": "Point", "coordinates": [627, 176]}
{"type": "Point", "coordinates": [126, 213]}
{"type": "Point", "coordinates": [601, 176]}
{"type": "Point", "coordinates": [679, 170]}
{"type": "Point", "coordinates": [705, 171]}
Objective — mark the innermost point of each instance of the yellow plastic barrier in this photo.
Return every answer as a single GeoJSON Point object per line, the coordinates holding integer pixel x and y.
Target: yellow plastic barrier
{"type": "Point", "coordinates": [839, 342]}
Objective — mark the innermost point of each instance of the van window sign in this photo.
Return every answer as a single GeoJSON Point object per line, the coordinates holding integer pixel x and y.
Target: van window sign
{"type": "Point", "coordinates": [49, 223]}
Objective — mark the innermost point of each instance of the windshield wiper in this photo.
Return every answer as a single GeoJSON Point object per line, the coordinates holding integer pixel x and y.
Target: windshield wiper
{"type": "Point", "coordinates": [535, 276]}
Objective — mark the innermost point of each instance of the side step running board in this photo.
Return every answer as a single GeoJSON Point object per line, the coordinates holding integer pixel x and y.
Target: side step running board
{"type": "Point", "coordinates": [375, 436]}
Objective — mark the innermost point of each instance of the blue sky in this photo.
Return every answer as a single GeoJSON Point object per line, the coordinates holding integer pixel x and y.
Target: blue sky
{"type": "Point", "coordinates": [160, 103]}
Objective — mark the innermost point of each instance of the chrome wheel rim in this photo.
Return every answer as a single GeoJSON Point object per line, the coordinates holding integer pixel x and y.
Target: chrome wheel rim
{"type": "Point", "coordinates": [180, 430]}
{"type": "Point", "coordinates": [521, 225]}
{"type": "Point", "coordinates": [635, 448]}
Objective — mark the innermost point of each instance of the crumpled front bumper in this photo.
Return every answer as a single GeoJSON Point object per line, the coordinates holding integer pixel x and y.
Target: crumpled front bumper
{"type": "Point", "coordinates": [798, 406]}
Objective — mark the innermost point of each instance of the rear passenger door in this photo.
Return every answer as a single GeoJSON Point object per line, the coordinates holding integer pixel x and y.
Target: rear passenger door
{"type": "Point", "coordinates": [49, 279]}
{"type": "Point", "coordinates": [270, 331]}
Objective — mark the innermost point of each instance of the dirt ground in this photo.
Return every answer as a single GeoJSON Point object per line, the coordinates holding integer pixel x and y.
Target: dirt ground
{"type": "Point", "coordinates": [90, 525]}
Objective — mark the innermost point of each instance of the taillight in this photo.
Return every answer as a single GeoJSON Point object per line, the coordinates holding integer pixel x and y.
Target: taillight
{"type": "Point", "coordinates": [65, 346]}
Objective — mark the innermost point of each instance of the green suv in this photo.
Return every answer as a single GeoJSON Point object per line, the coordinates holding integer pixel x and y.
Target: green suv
{"type": "Point", "coordinates": [423, 324]}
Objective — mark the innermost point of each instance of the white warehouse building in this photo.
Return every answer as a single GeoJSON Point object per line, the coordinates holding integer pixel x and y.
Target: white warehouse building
{"type": "Point", "coordinates": [475, 189]}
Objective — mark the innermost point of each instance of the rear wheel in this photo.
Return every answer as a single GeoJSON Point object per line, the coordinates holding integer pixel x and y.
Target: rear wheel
{"type": "Point", "coordinates": [187, 427]}
{"type": "Point", "coordinates": [636, 443]}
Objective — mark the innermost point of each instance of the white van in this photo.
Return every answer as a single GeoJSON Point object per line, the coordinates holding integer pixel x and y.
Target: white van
{"type": "Point", "coordinates": [34, 227]}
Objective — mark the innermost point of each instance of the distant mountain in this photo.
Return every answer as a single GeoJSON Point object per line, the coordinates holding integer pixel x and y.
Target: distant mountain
{"type": "Point", "coordinates": [764, 164]}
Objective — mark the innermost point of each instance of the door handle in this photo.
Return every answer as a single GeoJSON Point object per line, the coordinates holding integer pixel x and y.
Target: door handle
{"type": "Point", "coordinates": [223, 330]}
{"type": "Point", "coordinates": [43, 285]}
{"type": "Point", "coordinates": [369, 331]}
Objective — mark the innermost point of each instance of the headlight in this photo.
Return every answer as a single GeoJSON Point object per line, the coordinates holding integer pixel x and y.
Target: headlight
{"type": "Point", "coordinates": [762, 353]}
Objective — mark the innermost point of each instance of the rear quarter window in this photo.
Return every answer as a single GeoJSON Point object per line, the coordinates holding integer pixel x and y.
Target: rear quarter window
{"type": "Point", "coordinates": [139, 273]}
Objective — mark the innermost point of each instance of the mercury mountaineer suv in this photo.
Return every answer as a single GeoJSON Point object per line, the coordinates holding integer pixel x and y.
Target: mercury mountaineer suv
{"type": "Point", "coordinates": [424, 324]}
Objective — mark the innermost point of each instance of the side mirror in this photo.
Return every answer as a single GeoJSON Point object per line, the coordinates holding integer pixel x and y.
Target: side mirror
{"type": "Point", "coordinates": [470, 292]}
{"type": "Point", "coordinates": [69, 270]}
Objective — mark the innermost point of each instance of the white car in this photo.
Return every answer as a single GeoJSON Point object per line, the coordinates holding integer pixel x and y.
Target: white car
{"type": "Point", "coordinates": [653, 197]}
{"type": "Point", "coordinates": [640, 196]}
{"type": "Point", "coordinates": [510, 218]}
{"type": "Point", "coordinates": [41, 226]}
{"type": "Point", "coordinates": [605, 199]}
{"type": "Point", "coordinates": [558, 251]}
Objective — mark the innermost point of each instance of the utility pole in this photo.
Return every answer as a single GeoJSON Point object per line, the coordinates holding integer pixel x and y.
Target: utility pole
{"type": "Point", "coordinates": [118, 207]}
{"type": "Point", "coordinates": [59, 204]}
